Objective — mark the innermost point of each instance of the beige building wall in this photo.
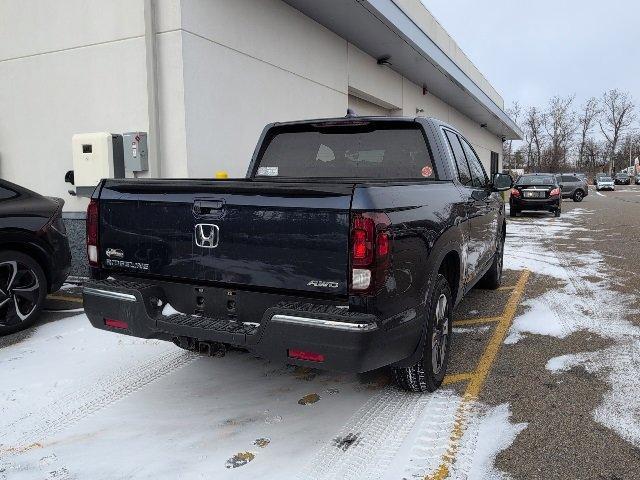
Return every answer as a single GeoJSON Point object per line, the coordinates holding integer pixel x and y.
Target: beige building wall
{"type": "Point", "coordinates": [79, 66]}
{"type": "Point", "coordinates": [224, 70]}
{"type": "Point", "coordinates": [289, 68]}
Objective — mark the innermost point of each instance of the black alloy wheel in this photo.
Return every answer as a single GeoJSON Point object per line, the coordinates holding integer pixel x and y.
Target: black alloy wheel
{"type": "Point", "coordinates": [22, 291]}
{"type": "Point", "coordinates": [578, 196]}
{"type": "Point", "coordinates": [427, 374]}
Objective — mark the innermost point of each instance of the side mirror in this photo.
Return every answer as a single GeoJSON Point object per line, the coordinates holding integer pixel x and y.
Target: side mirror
{"type": "Point", "coordinates": [502, 182]}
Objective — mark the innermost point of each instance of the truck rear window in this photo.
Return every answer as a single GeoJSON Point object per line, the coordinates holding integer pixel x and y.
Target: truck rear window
{"type": "Point", "coordinates": [367, 151]}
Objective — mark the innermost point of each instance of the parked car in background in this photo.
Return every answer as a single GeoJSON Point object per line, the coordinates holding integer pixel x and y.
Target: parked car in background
{"type": "Point", "coordinates": [637, 179]}
{"type": "Point", "coordinates": [34, 254]}
{"type": "Point", "coordinates": [536, 191]}
{"type": "Point", "coordinates": [346, 248]}
{"type": "Point", "coordinates": [573, 187]}
{"type": "Point", "coordinates": [598, 176]}
{"type": "Point", "coordinates": [582, 176]}
{"type": "Point", "coordinates": [605, 183]}
{"type": "Point", "coordinates": [622, 178]}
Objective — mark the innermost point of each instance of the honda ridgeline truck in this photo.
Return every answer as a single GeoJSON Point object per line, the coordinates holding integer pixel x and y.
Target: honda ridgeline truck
{"type": "Point", "coordinates": [345, 248]}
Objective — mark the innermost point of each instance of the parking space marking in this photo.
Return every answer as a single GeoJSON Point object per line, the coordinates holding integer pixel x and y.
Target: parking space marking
{"type": "Point", "coordinates": [457, 377]}
{"type": "Point", "coordinates": [65, 298]}
{"type": "Point", "coordinates": [506, 287]}
{"type": "Point", "coordinates": [601, 194]}
{"type": "Point", "coordinates": [475, 321]}
{"type": "Point", "coordinates": [478, 378]}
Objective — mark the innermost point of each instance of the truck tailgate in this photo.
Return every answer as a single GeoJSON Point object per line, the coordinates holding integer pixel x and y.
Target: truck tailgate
{"type": "Point", "coordinates": [292, 236]}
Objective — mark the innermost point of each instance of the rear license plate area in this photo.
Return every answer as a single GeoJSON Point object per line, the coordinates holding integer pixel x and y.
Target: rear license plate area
{"type": "Point", "coordinates": [534, 194]}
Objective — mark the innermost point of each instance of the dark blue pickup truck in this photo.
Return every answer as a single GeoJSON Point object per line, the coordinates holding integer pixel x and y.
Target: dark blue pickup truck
{"type": "Point", "coordinates": [345, 248]}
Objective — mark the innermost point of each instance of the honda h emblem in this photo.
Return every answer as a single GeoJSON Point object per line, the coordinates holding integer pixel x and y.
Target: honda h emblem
{"type": "Point", "coordinates": [207, 235]}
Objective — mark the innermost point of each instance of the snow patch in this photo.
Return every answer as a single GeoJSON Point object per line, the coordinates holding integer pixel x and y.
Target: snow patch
{"type": "Point", "coordinates": [168, 310]}
{"type": "Point", "coordinates": [584, 301]}
{"type": "Point", "coordinates": [491, 433]}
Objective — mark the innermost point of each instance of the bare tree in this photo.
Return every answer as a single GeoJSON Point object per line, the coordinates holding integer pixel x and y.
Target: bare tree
{"type": "Point", "coordinates": [507, 147]}
{"type": "Point", "coordinates": [533, 123]}
{"type": "Point", "coordinates": [617, 116]}
{"type": "Point", "coordinates": [586, 119]}
{"type": "Point", "coordinates": [560, 125]}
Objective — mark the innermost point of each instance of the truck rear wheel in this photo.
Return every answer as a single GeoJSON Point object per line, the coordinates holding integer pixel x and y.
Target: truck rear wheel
{"type": "Point", "coordinates": [427, 374]}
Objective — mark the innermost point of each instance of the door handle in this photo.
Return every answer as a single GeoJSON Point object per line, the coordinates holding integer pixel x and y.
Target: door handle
{"type": "Point", "coordinates": [207, 207]}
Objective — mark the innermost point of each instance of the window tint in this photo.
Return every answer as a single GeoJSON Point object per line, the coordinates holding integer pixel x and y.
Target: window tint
{"type": "Point", "coordinates": [475, 165]}
{"type": "Point", "coordinates": [347, 151]}
{"type": "Point", "coordinates": [6, 194]}
{"type": "Point", "coordinates": [569, 179]}
{"type": "Point", "coordinates": [464, 175]}
{"type": "Point", "coordinates": [535, 180]}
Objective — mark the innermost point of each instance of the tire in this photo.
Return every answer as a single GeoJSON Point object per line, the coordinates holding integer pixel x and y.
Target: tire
{"type": "Point", "coordinates": [493, 278]}
{"type": "Point", "coordinates": [557, 212]}
{"type": "Point", "coordinates": [427, 374]}
{"type": "Point", "coordinates": [578, 195]}
{"type": "Point", "coordinates": [513, 212]}
{"type": "Point", "coordinates": [23, 288]}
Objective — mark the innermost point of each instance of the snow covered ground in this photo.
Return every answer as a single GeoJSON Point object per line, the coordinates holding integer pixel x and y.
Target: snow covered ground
{"type": "Point", "coordinates": [76, 402]}
{"type": "Point", "coordinates": [584, 301]}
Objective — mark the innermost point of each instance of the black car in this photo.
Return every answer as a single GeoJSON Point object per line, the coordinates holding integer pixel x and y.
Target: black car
{"type": "Point", "coordinates": [34, 254]}
{"type": "Point", "coordinates": [622, 179]}
{"type": "Point", "coordinates": [346, 248]}
{"type": "Point", "coordinates": [536, 191]}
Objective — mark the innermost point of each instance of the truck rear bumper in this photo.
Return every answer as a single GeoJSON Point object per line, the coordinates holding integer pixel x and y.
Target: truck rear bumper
{"type": "Point", "coordinates": [340, 340]}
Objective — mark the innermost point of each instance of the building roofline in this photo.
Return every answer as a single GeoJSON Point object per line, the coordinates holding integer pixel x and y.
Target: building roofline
{"type": "Point", "coordinates": [383, 30]}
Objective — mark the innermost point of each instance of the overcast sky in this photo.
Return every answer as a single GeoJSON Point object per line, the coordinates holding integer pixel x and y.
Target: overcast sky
{"type": "Point", "coordinates": [531, 50]}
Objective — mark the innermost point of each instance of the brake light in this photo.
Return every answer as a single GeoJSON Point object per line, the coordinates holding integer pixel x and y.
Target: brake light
{"type": "Point", "coordinates": [113, 323]}
{"type": "Point", "coordinates": [304, 355]}
{"type": "Point", "coordinates": [370, 251]}
{"type": "Point", "coordinates": [554, 192]}
{"type": "Point", "coordinates": [92, 232]}
{"type": "Point", "coordinates": [515, 192]}
{"type": "Point", "coordinates": [362, 239]}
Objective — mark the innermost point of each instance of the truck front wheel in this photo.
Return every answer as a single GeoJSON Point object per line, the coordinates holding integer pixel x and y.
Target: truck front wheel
{"type": "Point", "coordinates": [427, 374]}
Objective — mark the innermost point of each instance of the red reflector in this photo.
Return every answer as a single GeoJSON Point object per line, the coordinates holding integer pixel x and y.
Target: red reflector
{"type": "Point", "coordinates": [113, 323]}
{"type": "Point", "coordinates": [303, 355]}
{"type": "Point", "coordinates": [383, 244]}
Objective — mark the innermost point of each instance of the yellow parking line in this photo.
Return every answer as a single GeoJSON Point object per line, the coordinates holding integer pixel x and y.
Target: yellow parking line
{"type": "Point", "coordinates": [506, 287]}
{"type": "Point", "coordinates": [478, 378]}
{"type": "Point", "coordinates": [65, 298]}
{"type": "Point", "coordinates": [457, 377]}
{"type": "Point", "coordinates": [475, 321]}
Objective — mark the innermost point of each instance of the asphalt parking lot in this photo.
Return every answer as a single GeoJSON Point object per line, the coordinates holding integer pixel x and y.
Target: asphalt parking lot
{"type": "Point", "coordinates": [542, 383]}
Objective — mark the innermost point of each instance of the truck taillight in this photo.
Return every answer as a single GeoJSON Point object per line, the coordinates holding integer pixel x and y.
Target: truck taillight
{"type": "Point", "coordinates": [370, 251]}
{"type": "Point", "coordinates": [92, 232]}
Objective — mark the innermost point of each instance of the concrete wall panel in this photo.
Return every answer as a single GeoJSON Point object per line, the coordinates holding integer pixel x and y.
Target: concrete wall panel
{"type": "Point", "coordinates": [273, 32]}
{"type": "Point", "coordinates": [29, 27]}
{"type": "Point", "coordinates": [45, 99]}
{"type": "Point", "coordinates": [230, 97]}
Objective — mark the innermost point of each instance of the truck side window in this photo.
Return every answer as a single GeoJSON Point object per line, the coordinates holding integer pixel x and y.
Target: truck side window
{"type": "Point", "coordinates": [6, 194]}
{"type": "Point", "coordinates": [464, 175]}
{"type": "Point", "coordinates": [475, 165]}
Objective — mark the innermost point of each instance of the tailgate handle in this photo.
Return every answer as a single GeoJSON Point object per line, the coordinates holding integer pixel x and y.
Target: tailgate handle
{"type": "Point", "coordinates": [206, 207]}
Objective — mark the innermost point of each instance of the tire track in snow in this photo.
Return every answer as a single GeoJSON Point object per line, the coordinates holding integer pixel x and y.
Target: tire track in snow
{"type": "Point", "coordinates": [378, 430]}
{"type": "Point", "coordinates": [72, 408]}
